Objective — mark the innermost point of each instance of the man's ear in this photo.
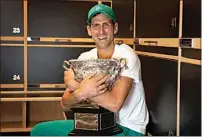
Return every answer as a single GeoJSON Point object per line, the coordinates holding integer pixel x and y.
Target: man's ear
{"type": "Point", "coordinates": [89, 31]}
{"type": "Point", "coordinates": [115, 28]}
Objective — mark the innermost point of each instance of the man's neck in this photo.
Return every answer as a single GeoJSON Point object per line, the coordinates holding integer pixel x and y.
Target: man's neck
{"type": "Point", "coordinates": [106, 53]}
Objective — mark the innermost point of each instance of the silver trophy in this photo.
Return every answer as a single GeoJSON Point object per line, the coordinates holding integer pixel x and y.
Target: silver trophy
{"type": "Point", "coordinates": [90, 118]}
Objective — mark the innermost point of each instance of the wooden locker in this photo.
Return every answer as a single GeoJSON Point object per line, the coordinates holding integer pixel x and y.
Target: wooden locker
{"type": "Point", "coordinates": [124, 12]}
{"type": "Point", "coordinates": [12, 18]}
{"type": "Point", "coordinates": [190, 95]}
{"type": "Point", "coordinates": [43, 111]}
{"type": "Point", "coordinates": [107, 3]}
{"type": "Point", "coordinates": [58, 18]}
{"type": "Point", "coordinates": [11, 115]}
{"type": "Point", "coordinates": [45, 64]}
{"type": "Point", "coordinates": [159, 77]}
{"type": "Point", "coordinates": [12, 66]}
{"type": "Point", "coordinates": [191, 25]}
{"type": "Point", "coordinates": [157, 18]}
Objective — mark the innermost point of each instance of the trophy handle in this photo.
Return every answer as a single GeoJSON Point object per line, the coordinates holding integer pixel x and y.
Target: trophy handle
{"type": "Point", "coordinates": [123, 63]}
{"type": "Point", "coordinates": [66, 65]}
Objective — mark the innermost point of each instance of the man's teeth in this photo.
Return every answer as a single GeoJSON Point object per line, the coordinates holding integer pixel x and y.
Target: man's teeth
{"type": "Point", "coordinates": [101, 38]}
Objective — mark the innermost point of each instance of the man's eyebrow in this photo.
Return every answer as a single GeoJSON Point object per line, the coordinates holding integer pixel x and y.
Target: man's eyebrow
{"type": "Point", "coordinates": [94, 23]}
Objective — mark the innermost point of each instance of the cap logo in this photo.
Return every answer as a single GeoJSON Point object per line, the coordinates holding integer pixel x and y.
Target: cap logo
{"type": "Point", "coordinates": [98, 8]}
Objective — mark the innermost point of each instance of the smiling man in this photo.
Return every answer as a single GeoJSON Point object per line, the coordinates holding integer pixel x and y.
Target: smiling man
{"type": "Point", "coordinates": [126, 98]}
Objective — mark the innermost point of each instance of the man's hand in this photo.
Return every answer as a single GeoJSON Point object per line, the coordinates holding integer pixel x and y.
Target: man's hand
{"type": "Point", "coordinates": [69, 80]}
{"type": "Point", "coordinates": [114, 99]}
{"type": "Point", "coordinates": [92, 86]}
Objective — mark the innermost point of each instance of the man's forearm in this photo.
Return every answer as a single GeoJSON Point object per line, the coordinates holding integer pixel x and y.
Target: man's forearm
{"type": "Point", "coordinates": [69, 99]}
{"type": "Point", "coordinates": [108, 101]}
{"type": "Point", "coordinates": [73, 85]}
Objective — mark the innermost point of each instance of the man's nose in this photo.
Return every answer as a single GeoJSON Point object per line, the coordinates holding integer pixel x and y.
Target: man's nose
{"type": "Point", "coordinates": [101, 31]}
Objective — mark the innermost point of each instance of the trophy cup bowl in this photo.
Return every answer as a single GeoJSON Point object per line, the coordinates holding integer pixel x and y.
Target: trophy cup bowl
{"type": "Point", "coordinates": [89, 118]}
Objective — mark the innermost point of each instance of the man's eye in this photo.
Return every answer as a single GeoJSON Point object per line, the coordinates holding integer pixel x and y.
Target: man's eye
{"type": "Point", "coordinates": [95, 25]}
{"type": "Point", "coordinates": [106, 25]}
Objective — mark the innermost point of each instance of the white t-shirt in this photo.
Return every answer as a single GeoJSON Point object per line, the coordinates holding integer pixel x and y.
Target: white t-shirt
{"type": "Point", "coordinates": [134, 113]}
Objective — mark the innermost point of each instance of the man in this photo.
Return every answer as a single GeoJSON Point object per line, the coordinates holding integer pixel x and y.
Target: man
{"type": "Point", "coordinates": [126, 98]}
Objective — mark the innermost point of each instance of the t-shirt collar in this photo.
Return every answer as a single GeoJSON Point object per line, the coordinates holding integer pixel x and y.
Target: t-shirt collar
{"type": "Point", "coordinates": [96, 54]}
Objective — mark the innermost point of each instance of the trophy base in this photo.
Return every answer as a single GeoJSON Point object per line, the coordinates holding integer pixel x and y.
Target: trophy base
{"type": "Point", "coordinates": [107, 132]}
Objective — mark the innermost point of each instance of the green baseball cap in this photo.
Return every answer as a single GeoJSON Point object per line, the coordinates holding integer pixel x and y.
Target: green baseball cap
{"type": "Point", "coordinates": [101, 8]}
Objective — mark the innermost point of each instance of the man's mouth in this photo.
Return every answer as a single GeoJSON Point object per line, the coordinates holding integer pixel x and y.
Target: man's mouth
{"type": "Point", "coordinates": [102, 38]}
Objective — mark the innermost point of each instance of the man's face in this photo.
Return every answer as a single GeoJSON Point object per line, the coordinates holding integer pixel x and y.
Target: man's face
{"type": "Point", "coordinates": [102, 30]}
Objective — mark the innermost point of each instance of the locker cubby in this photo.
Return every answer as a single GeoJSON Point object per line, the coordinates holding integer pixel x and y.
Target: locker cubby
{"type": "Point", "coordinates": [11, 115]}
{"type": "Point", "coordinates": [12, 62]}
{"type": "Point", "coordinates": [12, 18]}
{"type": "Point", "coordinates": [65, 21]}
{"type": "Point", "coordinates": [43, 111]}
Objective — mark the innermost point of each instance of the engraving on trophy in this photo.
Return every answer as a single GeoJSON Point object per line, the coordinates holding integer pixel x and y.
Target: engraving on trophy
{"type": "Point", "coordinates": [86, 121]}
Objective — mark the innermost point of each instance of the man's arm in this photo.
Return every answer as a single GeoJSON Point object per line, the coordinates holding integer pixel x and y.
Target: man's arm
{"type": "Point", "coordinates": [71, 98]}
{"type": "Point", "coordinates": [69, 80]}
{"type": "Point", "coordinates": [89, 87]}
{"type": "Point", "coordinates": [68, 100]}
{"type": "Point", "coordinates": [113, 100]}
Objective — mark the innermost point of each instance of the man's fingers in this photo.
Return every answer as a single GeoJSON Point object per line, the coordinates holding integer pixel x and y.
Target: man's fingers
{"type": "Point", "coordinates": [65, 73]}
{"type": "Point", "coordinates": [69, 72]}
{"type": "Point", "coordinates": [89, 76]}
{"type": "Point", "coordinates": [103, 80]}
{"type": "Point", "coordinates": [102, 91]}
{"type": "Point", "coordinates": [101, 87]}
{"type": "Point", "coordinates": [65, 79]}
{"type": "Point", "coordinates": [99, 77]}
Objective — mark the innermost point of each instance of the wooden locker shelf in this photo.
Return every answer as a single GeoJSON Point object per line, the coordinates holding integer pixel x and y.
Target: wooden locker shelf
{"type": "Point", "coordinates": [11, 125]}
{"type": "Point", "coordinates": [11, 85]}
{"type": "Point", "coordinates": [161, 42]}
{"type": "Point", "coordinates": [31, 92]}
{"type": "Point", "coordinates": [17, 129]}
{"type": "Point", "coordinates": [12, 38]}
{"type": "Point", "coordinates": [21, 99]}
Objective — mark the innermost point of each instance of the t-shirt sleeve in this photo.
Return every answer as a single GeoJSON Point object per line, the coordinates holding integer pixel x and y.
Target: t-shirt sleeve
{"type": "Point", "coordinates": [88, 55]}
{"type": "Point", "coordinates": [133, 67]}
{"type": "Point", "coordinates": [82, 56]}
